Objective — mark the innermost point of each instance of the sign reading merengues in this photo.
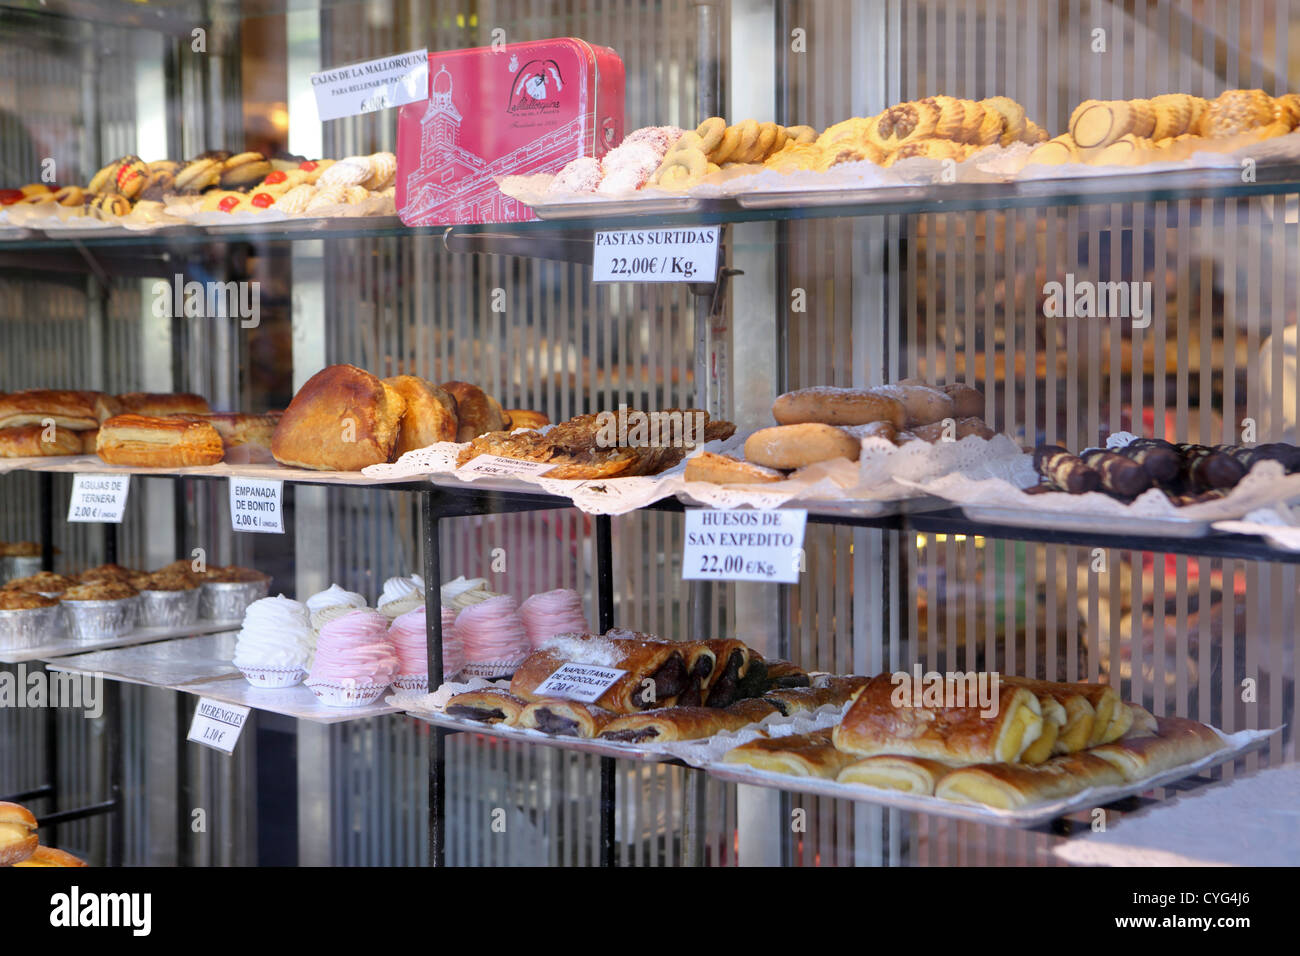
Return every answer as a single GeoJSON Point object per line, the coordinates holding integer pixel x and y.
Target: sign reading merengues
{"type": "Point", "coordinates": [743, 544]}
{"type": "Point", "coordinates": [255, 505]}
{"type": "Point", "coordinates": [99, 498]}
{"type": "Point", "coordinates": [688, 254]}
{"type": "Point", "coordinates": [373, 85]}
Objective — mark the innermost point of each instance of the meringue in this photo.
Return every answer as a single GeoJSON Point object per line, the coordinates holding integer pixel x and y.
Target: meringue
{"type": "Point", "coordinates": [276, 632]}
{"type": "Point", "coordinates": [355, 648]}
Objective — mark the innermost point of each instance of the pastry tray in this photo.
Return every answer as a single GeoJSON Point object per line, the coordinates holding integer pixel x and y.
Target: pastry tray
{"type": "Point", "coordinates": [1239, 743]}
{"type": "Point", "coordinates": [611, 208]}
{"type": "Point", "coordinates": [63, 646]}
{"type": "Point", "coordinates": [172, 663]}
{"type": "Point", "coordinates": [306, 224]}
{"type": "Point", "coordinates": [298, 701]}
{"type": "Point", "coordinates": [602, 748]}
{"type": "Point", "coordinates": [1089, 522]}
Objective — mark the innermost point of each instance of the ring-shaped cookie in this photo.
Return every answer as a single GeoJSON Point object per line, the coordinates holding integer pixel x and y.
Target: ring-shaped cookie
{"type": "Point", "coordinates": [730, 140]}
{"type": "Point", "coordinates": [748, 137]}
{"type": "Point", "coordinates": [801, 134]}
{"type": "Point", "coordinates": [710, 133]}
{"type": "Point", "coordinates": [763, 145]}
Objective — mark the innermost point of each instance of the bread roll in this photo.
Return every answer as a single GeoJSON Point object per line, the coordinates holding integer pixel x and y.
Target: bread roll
{"type": "Point", "coordinates": [922, 405]}
{"type": "Point", "coordinates": [28, 441]}
{"type": "Point", "coordinates": [837, 406]}
{"type": "Point", "coordinates": [728, 470]}
{"type": "Point", "coordinates": [342, 419]}
{"type": "Point", "coordinates": [796, 446]}
{"type": "Point", "coordinates": [967, 402]}
{"type": "Point", "coordinates": [430, 414]}
{"type": "Point", "coordinates": [161, 404]}
{"type": "Point", "coordinates": [89, 440]}
{"type": "Point", "coordinates": [48, 856]}
{"type": "Point", "coordinates": [478, 412]}
{"type": "Point", "coordinates": [524, 418]}
{"type": "Point", "coordinates": [17, 834]}
{"type": "Point", "coordinates": [144, 442]}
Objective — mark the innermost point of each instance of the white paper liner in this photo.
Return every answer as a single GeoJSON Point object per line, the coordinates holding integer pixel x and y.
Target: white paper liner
{"type": "Point", "coordinates": [273, 677]}
{"type": "Point", "coordinates": [1277, 149]}
{"type": "Point", "coordinates": [490, 670]}
{"type": "Point", "coordinates": [1278, 525]}
{"type": "Point", "coordinates": [1035, 815]}
{"type": "Point", "coordinates": [347, 693]}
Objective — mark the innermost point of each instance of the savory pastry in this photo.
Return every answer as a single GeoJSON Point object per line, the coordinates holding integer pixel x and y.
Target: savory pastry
{"type": "Point", "coordinates": [525, 418]}
{"type": "Point", "coordinates": [162, 404]}
{"type": "Point", "coordinates": [30, 441]}
{"type": "Point", "coordinates": [875, 724]}
{"type": "Point", "coordinates": [342, 419]}
{"type": "Point", "coordinates": [797, 446]}
{"type": "Point", "coordinates": [42, 582]}
{"type": "Point", "coordinates": [74, 410]}
{"type": "Point", "coordinates": [477, 411]}
{"type": "Point", "coordinates": [838, 406]}
{"type": "Point", "coordinates": [783, 675]}
{"type": "Point", "coordinates": [430, 414]}
{"type": "Point", "coordinates": [251, 434]}
{"type": "Point", "coordinates": [18, 838]}
{"type": "Point", "coordinates": [893, 772]}
{"type": "Point", "coordinates": [144, 442]}
{"type": "Point", "coordinates": [48, 856]}
{"type": "Point", "coordinates": [89, 439]}
{"type": "Point", "coordinates": [23, 601]}
{"type": "Point", "coordinates": [672, 723]}
{"type": "Point", "coordinates": [655, 672]}
{"type": "Point", "coordinates": [565, 718]}
{"type": "Point", "coordinates": [798, 700]}
{"type": "Point", "coordinates": [105, 572]}
{"type": "Point", "coordinates": [489, 706]}
{"type": "Point", "coordinates": [728, 470]}
{"type": "Point", "coordinates": [1008, 786]}
{"type": "Point", "coordinates": [800, 755]}
{"type": "Point", "coordinates": [1080, 716]}
{"type": "Point", "coordinates": [754, 709]}
{"type": "Point", "coordinates": [100, 591]}
{"type": "Point", "coordinates": [1177, 741]}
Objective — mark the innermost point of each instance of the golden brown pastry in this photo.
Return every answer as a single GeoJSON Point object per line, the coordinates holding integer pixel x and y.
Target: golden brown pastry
{"type": "Point", "coordinates": [250, 434]}
{"type": "Point", "coordinates": [1080, 715]}
{"type": "Point", "coordinates": [74, 410]}
{"type": "Point", "coordinates": [526, 418]}
{"type": "Point", "coordinates": [922, 404]}
{"type": "Point", "coordinates": [169, 580]}
{"type": "Point", "coordinates": [1053, 720]}
{"type": "Point", "coordinates": [1236, 111]}
{"type": "Point", "coordinates": [48, 856]}
{"type": "Point", "coordinates": [489, 706]}
{"type": "Point", "coordinates": [797, 446]}
{"type": "Point", "coordinates": [89, 439]}
{"type": "Point", "coordinates": [799, 700]}
{"type": "Point", "coordinates": [100, 591]}
{"type": "Point", "coordinates": [29, 441]}
{"type": "Point", "coordinates": [838, 406]}
{"type": "Point", "coordinates": [143, 442]}
{"type": "Point", "coordinates": [477, 411]}
{"type": "Point", "coordinates": [876, 724]}
{"type": "Point", "coordinates": [42, 582]}
{"type": "Point", "coordinates": [753, 709]}
{"type": "Point", "coordinates": [732, 661]}
{"type": "Point", "coordinates": [1055, 152]}
{"type": "Point", "coordinates": [18, 839]}
{"type": "Point", "coordinates": [162, 404]}
{"type": "Point", "coordinates": [672, 723]}
{"type": "Point", "coordinates": [342, 419]}
{"type": "Point", "coordinates": [893, 772]}
{"type": "Point", "coordinates": [105, 572]}
{"type": "Point", "coordinates": [1007, 786]}
{"type": "Point", "coordinates": [656, 671]}
{"type": "Point", "coordinates": [565, 718]}
{"type": "Point", "coordinates": [1177, 741]}
{"type": "Point", "coordinates": [430, 414]}
{"type": "Point", "coordinates": [800, 755]}
{"type": "Point", "coordinates": [783, 675]}
{"type": "Point", "coordinates": [728, 470]}
{"type": "Point", "coordinates": [232, 574]}
{"type": "Point", "coordinates": [1098, 123]}
{"type": "Point", "coordinates": [24, 601]}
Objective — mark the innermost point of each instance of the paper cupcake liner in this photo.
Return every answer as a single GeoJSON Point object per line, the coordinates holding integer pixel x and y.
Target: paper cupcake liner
{"type": "Point", "coordinates": [31, 627]}
{"type": "Point", "coordinates": [271, 677]}
{"type": "Point", "coordinates": [412, 682]}
{"type": "Point", "coordinates": [169, 608]}
{"type": "Point", "coordinates": [352, 694]}
{"type": "Point", "coordinates": [491, 670]}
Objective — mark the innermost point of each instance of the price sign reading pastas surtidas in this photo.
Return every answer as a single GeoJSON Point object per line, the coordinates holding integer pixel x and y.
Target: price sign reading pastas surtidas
{"type": "Point", "coordinates": [685, 254]}
{"type": "Point", "coordinates": [256, 505]}
{"type": "Point", "coordinates": [99, 498]}
{"type": "Point", "coordinates": [584, 682]}
{"type": "Point", "coordinates": [743, 545]}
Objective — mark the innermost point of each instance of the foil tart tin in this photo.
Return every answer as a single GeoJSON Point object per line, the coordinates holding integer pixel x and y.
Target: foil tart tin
{"type": "Point", "coordinates": [169, 608]}
{"type": "Point", "coordinates": [20, 630]}
{"type": "Point", "coordinates": [96, 620]}
{"type": "Point", "coordinates": [227, 600]}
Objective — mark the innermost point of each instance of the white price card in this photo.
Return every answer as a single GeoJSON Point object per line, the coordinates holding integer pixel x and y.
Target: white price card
{"type": "Point", "coordinates": [256, 504]}
{"type": "Point", "coordinates": [99, 498]}
{"type": "Point", "coordinates": [584, 682]}
{"type": "Point", "coordinates": [742, 544]}
{"type": "Point", "coordinates": [683, 254]}
{"type": "Point", "coordinates": [373, 85]}
{"type": "Point", "coordinates": [217, 725]}
{"type": "Point", "coordinates": [497, 466]}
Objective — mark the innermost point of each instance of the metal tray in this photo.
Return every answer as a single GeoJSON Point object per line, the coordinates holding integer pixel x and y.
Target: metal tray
{"type": "Point", "coordinates": [297, 701]}
{"type": "Point", "coordinates": [610, 208]}
{"type": "Point", "coordinates": [834, 196]}
{"type": "Point", "coordinates": [1028, 818]}
{"type": "Point", "coordinates": [185, 660]}
{"type": "Point", "coordinates": [603, 748]}
{"type": "Point", "coordinates": [62, 646]}
{"type": "Point", "coordinates": [1089, 522]}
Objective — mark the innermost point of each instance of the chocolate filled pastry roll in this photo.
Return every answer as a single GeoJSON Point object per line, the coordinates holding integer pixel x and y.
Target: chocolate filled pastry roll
{"type": "Point", "coordinates": [892, 772]}
{"type": "Point", "coordinates": [1013, 786]}
{"type": "Point", "coordinates": [886, 718]}
{"type": "Point", "coordinates": [655, 671]}
{"type": "Point", "coordinates": [1208, 469]}
{"type": "Point", "coordinates": [801, 700]}
{"type": "Point", "coordinates": [671, 723]}
{"type": "Point", "coordinates": [1076, 730]}
{"type": "Point", "coordinates": [700, 663]}
{"type": "Point", "coordinates": [1162, 461]}
{"type": "Point", "coordinates": [1066, 471]}
{"type": "Point", "coordinates": [732, 662]}
{"type": "Point", "coordinates": [782, 675]}
{"type": "Point", "coordinates": [1177, 741]}
{"type": "Point", "coordinates": [755, 709]}
{"type": "Point", "coordinates": [565, 718]}
{"type": "Point", "coordinates": [1288, 456]}
{"type": "Point", "coordinates": [800, 755]}
{"type": "Point", "coordinates": [490, 706]}
{"type": "Point", "coordinates": [1119, 475]}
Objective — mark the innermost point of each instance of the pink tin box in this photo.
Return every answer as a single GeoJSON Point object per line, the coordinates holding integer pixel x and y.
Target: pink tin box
{"type": "Point", "coordinates": [517, 109]}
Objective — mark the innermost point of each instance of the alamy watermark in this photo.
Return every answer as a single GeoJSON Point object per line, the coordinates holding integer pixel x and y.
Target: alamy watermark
{"type": "Point", "coordinates": [949, 689]}
{"type": "Point", "coordinates": [636, 429]}
{"type": "Point", "coordinates": [43, 688]}
{"type": "Point", "coordinates": [1084, 299]}
{"type": "Point", "coordinates": [208, 300]}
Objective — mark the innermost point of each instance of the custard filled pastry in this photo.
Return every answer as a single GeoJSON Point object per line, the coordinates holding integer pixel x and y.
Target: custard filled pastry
{"type": "Point", "coordinates": [800, 755]}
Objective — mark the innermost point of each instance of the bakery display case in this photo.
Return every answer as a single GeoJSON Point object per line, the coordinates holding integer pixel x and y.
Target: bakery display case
{"type": "Point", "coordinates": [601, 434]}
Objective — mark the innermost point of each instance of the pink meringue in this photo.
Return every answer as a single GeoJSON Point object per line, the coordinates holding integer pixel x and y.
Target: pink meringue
{"type": "Point", "coordinates": [409, 637]}
{"type": "Point", "coordinates": [355, 648]}
{"type": "Point", "coordinates": [552, 613]}
{"type": "Point", "coordinates": [492, 632]}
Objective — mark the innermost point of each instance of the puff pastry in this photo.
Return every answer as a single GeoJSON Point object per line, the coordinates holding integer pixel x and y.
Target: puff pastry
{"type": "Point", "coordinates": [1075, 732]}
{"type": "Point", "coordinates": [75, 410]}
{"type": "Point", "coordinates": [656, 672]}
{"type": "Point", "coordinates": [958, 735]}
{"type": "Point", "coordinates": [161, 404]}
{"type": "Point", "coordinates": [672, 723]}
{"type": "Point", "coordinates": [755, 709]}
{"type": "Point", "coordinates": [783, 675]}
{"type": "Point", "coordinates": [892, 772]}
{"type": "Point", "coordinates": [800, 755]}
{"type": "Point", "coordinates": [1177, 741]}
{"type": "Point", "coordinates": [28, 441]}
{"type": "Point", "coordinates": [48, 856]}
{"type": "Point", "coordinates": [1005, 786]}
{"type": "Point", "coordinates": [490, 706]}
{"type": "Point", "coordinates": [18, 838]}
{"type": "Point", "coordinates": [144, 442]}
{"type": "Point", "coordinates": [430, 414]}
{"type": "Point", "coordinates": [565, 718]}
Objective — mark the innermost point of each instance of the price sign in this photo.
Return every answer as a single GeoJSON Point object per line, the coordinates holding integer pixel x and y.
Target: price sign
{"type": "Point", "coordinates": [743, 545]}
{"type": "Point", "coordinates": [99, 498]}
{"type": "Point", "coordinates": [497, 466]}
{"type": "Point", "coordinates": [584, 682]}
{"type": "Point", "coordinates": [373, 85]}
{"type": "Point", "coordinates": [689, 254]}
{"type": "Point", "coordinates": [255, 505]}
{"type": "Point", "coordinates": [217, 725]}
